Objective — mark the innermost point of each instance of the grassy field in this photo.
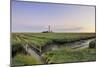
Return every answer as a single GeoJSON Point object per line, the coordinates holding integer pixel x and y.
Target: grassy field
{"type": "Point", "coordinates": [39, 40]}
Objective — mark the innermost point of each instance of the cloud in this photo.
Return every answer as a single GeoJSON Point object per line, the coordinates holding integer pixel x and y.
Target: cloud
{"type": "Point", "coordinates": [69, 29]}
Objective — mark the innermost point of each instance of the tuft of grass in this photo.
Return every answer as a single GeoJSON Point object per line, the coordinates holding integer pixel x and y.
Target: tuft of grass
{"type": "Point", "coordinates": [21, 59]}
{"type": "Point", "coordinates": [92, 44]}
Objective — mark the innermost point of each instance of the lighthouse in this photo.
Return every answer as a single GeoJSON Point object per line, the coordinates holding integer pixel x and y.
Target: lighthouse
{"type": "Point", "coordinates": [49, 30]}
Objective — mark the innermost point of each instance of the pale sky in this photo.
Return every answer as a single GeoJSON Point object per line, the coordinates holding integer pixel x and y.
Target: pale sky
{"type": "Point", "coordinates": [35, 17]}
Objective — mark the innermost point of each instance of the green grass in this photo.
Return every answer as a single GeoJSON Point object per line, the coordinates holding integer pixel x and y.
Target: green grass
{"type": "Point", "coordinates": [21, 59]}
{"type": "Point", "coordinates": [70, 55]}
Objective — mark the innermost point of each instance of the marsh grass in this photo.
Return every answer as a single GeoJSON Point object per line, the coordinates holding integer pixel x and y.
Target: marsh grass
{"type": "Point", "coordinates": [21, 59]}
{"type": "Point", "coordinates": [67, 55]}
